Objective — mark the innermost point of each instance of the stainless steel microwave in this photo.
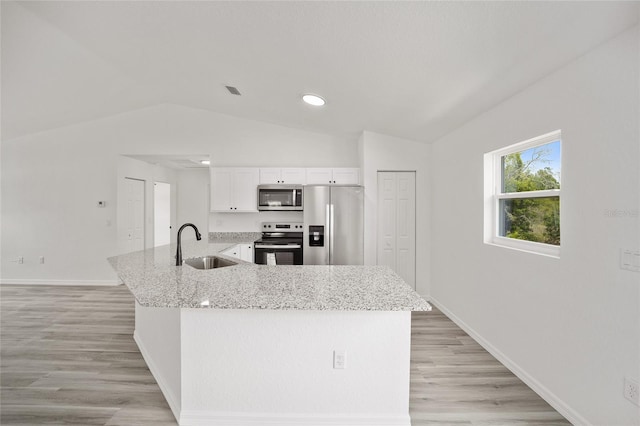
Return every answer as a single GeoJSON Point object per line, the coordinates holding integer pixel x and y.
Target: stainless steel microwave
{"type": "Point", "coordinates": [279, 197]}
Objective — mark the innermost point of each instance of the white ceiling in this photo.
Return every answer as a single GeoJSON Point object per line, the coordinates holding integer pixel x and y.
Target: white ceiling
{"type": "Point", "coordinates": [411, 69]}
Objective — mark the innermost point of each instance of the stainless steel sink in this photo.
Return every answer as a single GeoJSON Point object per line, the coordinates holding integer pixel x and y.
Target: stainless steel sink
{"type": "Point", "coordinates": [208, 262]}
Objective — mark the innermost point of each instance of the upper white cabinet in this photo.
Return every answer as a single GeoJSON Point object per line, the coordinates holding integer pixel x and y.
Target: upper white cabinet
{"type": "Point", "coordinates": [346, 176]}
{"type": "Point", "coordinates": [286, 176]}
{"type": "Point", "coordinates": [233, 189]}
{"type": "Point", "coordinates": [338, 176]}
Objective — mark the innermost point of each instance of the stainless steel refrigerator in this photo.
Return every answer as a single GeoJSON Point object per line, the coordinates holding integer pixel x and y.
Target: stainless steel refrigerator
{"type": "Point", "coordinates": [333, 225]}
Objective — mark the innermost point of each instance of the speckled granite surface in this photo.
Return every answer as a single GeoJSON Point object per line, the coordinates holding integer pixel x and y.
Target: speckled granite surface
{"type": "Point", "coordinates": [155, 281]}
{"type": "Point", "coordinates": [233, 237]}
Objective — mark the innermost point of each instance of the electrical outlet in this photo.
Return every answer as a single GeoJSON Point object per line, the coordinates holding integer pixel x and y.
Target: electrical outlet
{"type": "Point", "coordinates": [20, 260]}
{"type": "Point", "coordinates": [630, 260]}
{"type": "Point", "coordinates": [41, 259]}
{"type": "Point", "coordinates": [631, 391]}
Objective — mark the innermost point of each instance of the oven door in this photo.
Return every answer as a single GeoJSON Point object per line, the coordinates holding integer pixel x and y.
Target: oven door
{"type": "Point", "coordinates": [279, 197]}
{"type": "Point", "coordinates": [277, 254]}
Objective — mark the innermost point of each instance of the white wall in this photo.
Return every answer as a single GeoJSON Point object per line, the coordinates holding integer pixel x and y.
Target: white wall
{"type": "Point", "coordinates": [52, 180]}
{"type": "Point", "coordinates": [381, 152]}
{"type": "Point", "coordinates": [193, 202]}
{"type": "Point", "coordinates": [248, 222]}
{"type": "Point", "coordinates": [569, 326]}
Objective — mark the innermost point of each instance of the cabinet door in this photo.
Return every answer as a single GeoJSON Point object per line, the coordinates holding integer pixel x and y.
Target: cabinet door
{"type": "Point", "coordinates": [245, 189]}
{"type": "Point", "coordinates": [246, 252]}
{"type": "Point", "coordinates": [292, 176]}
{"type": "Point", "coordinates": [232, 251]}
{"type": "Point", "coordinates": [268, 176]}
{"type": "Point", "coordinates": [319, 176]}
{"type": "Point", "coordinates": [221, 189]}
{"type": "Point", "coordinates": [346, 176]}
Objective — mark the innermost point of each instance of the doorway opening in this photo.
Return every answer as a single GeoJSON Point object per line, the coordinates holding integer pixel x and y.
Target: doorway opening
{"type": "Point", "coordinates": [161, 213]}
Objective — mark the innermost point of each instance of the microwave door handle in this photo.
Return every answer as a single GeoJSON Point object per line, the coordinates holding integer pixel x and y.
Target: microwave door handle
{"type": "Point", "coordinates": [294, 198]}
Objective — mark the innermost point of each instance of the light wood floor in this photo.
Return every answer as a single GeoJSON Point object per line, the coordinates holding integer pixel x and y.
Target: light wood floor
{"type": "Point", "coordinates": [68, 357]}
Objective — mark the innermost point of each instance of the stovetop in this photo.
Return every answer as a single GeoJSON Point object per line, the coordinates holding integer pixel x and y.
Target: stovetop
{"type": "Point", "coordinates": [281, 233]}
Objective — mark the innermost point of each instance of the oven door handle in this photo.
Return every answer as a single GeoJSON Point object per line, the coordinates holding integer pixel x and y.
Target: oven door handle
{"type": "Point", "coordinates": [277, 246]}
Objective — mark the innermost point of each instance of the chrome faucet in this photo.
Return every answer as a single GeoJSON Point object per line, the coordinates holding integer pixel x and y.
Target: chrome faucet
{"type": "Point", "coordinates": [179, 252]}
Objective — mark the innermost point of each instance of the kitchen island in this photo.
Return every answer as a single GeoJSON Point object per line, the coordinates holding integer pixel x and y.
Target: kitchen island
{"type": "Point", "coordinates": [254, 344]}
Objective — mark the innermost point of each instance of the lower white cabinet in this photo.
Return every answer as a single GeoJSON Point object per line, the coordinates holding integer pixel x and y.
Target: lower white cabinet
{"type": "Point", "coordinates": [240, 251]}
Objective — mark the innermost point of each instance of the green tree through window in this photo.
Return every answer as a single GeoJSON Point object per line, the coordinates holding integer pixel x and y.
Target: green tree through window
{"type": "Point", "coordinates": [531, 217]}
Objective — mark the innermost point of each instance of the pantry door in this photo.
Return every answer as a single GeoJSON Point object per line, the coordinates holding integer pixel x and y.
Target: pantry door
{"type": "Point", "coordinates": [396, 241]}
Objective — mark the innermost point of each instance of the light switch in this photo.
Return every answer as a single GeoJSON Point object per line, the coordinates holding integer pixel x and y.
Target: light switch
{"type": "Point", "coordinates": [339, 359]}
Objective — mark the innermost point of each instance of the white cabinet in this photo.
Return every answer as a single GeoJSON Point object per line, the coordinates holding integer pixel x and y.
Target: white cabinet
{"type": "Point", "coordinates": [246, 252]}
{"type": "Point", "coordinates": [240, 251]}
{"type": "Point", "coordinates": [319, 176]}
{"type": "Point", "coordinates": [346, 176]}
{"type": "Point", "coordinates": [283, 175]}
{"type": "Point", "coordinates": [233, 189]}
{"type": "Point", "coordinates": [338, 176]}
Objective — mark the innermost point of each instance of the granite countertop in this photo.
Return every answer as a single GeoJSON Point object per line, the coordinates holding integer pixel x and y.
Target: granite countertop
{"type": "Point", "coordinates": [155, 281]}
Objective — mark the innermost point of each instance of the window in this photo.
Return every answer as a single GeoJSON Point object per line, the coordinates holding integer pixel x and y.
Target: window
{"type": "Point", "coordinates": [522, 195]}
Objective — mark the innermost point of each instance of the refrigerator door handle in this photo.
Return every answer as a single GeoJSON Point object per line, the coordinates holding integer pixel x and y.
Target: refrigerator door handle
{"type": "Point", "coordinates": [331, 236]}
{"type": "Point", "coordinates": [328, 236]}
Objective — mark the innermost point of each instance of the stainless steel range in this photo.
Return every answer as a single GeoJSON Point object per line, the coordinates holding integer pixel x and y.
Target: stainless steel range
{"type": "Point", "coordinates": [281, 244]}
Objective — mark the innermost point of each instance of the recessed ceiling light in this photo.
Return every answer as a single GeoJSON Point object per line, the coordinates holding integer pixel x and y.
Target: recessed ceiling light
{"type": "Point", "coordinates": [205, 162]}
{"type": "Point", "coordinates": [314, 100]}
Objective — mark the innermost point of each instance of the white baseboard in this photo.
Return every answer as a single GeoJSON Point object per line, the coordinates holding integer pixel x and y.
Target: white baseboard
{"type": "Point", "coordinates": [174, 404]}
{"type": "Point", "coordinates": [200, 418]}
{"type": "Point", "coordinates": [30, 281]}
{"type": "Point", "coordinates": [551, 398]}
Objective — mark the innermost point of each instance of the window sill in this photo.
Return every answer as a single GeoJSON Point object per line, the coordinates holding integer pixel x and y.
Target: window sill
{"type": "Point", "coordinates": [526, 246]}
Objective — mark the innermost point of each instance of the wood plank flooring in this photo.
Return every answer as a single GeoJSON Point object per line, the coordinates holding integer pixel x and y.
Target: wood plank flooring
{"type": "Point", "coordinates": [67, 356]}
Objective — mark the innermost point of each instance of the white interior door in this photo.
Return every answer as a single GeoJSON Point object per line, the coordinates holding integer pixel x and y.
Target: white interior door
{"type": "Point", "coordinates": [397, 223]}
{"type": "Point", "coordinates": [161, 213]}
{"type": "Point", "coordinates": [134, 219]}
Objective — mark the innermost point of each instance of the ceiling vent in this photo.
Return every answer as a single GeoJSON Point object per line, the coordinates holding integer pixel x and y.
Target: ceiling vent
{"type": "Point", "coordinates": [233, 90]}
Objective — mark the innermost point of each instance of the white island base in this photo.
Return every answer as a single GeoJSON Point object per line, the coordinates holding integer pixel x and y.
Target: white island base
{"type": "Point", "coordinates": [276, 367]}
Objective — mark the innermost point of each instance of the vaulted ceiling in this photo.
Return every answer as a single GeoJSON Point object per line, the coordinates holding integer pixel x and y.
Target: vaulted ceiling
{"type": "Point", "coordinates": [411, 69]}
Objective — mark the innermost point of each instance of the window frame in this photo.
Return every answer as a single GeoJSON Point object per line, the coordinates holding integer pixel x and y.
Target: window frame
{"type": "Point", "coordinates": [493, 195]}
